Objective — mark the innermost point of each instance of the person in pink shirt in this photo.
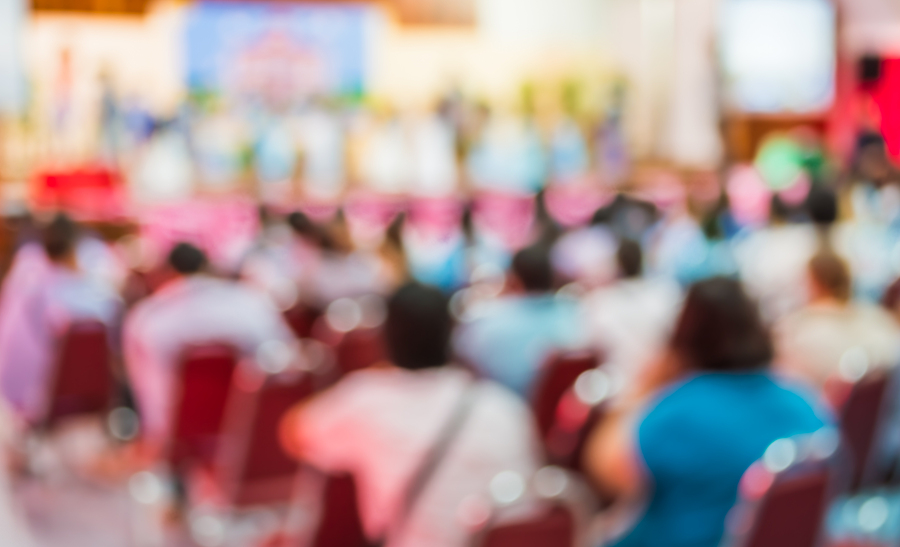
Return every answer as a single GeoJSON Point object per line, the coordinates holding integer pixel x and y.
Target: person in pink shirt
{"type": "Point", "coordinates": [381, 424]}
{"type": "Point", "coordinates": [194, 308]}
{"type": "Point", "coordinates": [46, 290]}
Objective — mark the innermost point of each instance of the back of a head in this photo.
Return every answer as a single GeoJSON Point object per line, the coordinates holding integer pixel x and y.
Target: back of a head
{"type": "Point", "coordinates": [418, 327]}
{"type": "Point", "coordinates": [534, 269]}
{"type": "Point", "coordinates": [266, 216]}
{"type": "Point", "coordinates": [832, 275]}
{"type": "Point", "coordinates": [720, 329]}
{"type": "Point", "coordinates": [187, 259]}
{"type": "Point", "coordinates": [302, 225]}
{"type": "Point", "coordinates": [630, 259]}
{"type": "Point", "coordinates": [60, 237]}
{"type": "Point", "coordinates": [822, 206]}
{"type": "Point", "coordinates": [779, 211]}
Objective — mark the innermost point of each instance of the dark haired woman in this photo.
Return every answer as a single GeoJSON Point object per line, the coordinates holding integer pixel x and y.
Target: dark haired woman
{"type": "Point", "coordinates": [383, 424]}
{"type": "Point", "coordinates": [715, 409]}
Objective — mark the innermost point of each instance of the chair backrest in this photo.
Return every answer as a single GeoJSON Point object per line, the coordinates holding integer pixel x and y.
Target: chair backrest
{"type": "Point", "coordinates": [557, 377]}
{"type": "Point", "coordinates": [784, 497]}
{"type": "Point", "coordinates": [252, 467]}
{"type": "Point", "coordinates": [301, 319]}
{"type": "Point", "coordinates": [861, 419]}
{"type": "Point", "coordinates": [552, 528]}
{"type": "Point", "coordinates": [205, 383]}
{"type": "Point", "coordinates": [340, 524]}
{"type": "Point", "coordinates": [359, 349]}
{"type": "Point", "coordinates": [566, 441]}
{"type": "Point", "coordinates": [82, 379]}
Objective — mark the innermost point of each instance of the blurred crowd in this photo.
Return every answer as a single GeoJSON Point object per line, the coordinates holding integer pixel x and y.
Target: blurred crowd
{"type": "Point", "coordinates": [718, 319]}
{"type": "Point", "coordinates": [218, 144]}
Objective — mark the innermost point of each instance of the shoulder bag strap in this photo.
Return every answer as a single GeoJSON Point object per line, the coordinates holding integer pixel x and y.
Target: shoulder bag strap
{"type": "Point", "coordinates": [434, 457]}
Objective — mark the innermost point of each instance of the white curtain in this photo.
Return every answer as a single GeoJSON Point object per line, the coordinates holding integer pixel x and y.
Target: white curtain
{"type": "Point", "coordinates": [12, 80]}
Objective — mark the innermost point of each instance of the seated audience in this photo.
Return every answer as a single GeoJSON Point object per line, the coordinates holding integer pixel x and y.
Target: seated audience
{"type": "Point", "coordinates": [341, 270]}
{"type": "Point", "coordinates": [46, 291]}
{"type": "Point", "coordinates": [382, 425]}
{"type": "Point", "coordinates": [714, 409]}
{"type": "Point", "coordinates": [631, 319]}
{"type": "Point", "coordinates": [194, 308]}
{"type": "Point", "coordinates": [282, 253]}
{"type": "Point", "coordinates": [772, 261]}
{"type": "Point", "coordinates": [814, 343]}
{"type": "Point", "coordinates": [511, 337]}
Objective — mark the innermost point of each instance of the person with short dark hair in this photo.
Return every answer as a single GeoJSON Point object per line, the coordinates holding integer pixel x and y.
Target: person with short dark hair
{"type": "Point", "coordinates": [381, 423]}
{"type": "Point", "coordinates": [187, 259]}
{"type": "Point", "coordinates": [630, 319]}
{"type": "Point", "coordinates": [712, 411]}
{"type": "Point", "coordinates": [194, 308]}
{"type": "Point", "coordinates": [418, 328]}
{"type": "Point", "coordinates": [813, 341]}
{"type": "Point", "coordinates": [822, 205]}
{"type": "Point", "coordinates": [532, 269]}
{"type": "Point", "coordinates": [511, 337]}
{"type": "Point", "coordinates": [630, 259]}
{"type": "Point", "coordinates": [772, 260]}
{"type": "Point", "coordinates": [46, 290]}
{"type": "Point", "coordinates": [60, 238]}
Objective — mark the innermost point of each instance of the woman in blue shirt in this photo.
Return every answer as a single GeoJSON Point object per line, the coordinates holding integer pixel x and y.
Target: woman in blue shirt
{"type": "Point", "coordinates": [713, 411]}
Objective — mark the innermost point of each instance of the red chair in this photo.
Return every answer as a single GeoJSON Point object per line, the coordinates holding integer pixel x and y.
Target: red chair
{"type": "Point", "coordinates": [557, 377]}
{"type": "Point", "coordinates": [783, 499]}
{"type": "Point", "coordinates": [359, 349]}
{"type": "Point", "coordinates": [251, 467]}
{"type": "Point", "coordinates": [82, 380]}
{"type": "Point", "coordinates": [340, 524]}
{"type": "Point", "coordinates": [206, 377]}
{"type": "Point", "coordinates": [863, 417]}
{"type": "Point", "coordinates": [567, 439]}
{"type": "Point", "coordinates": [553, 528]}
{"type": "Point", "coordinates": [301, 319]}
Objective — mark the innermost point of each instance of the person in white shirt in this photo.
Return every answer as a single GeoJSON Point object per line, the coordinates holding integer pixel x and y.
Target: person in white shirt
{"type": "Point", "coordinates": [322, 135]}
{"type": "Point", "coordinates": [772, 261]}
{"type": "Point", "coordinates": [834, 334]}
{"type": "Point", "coordinates": [433, 150]}
{"type": "Point", "coordinates": [510, 338]}
{"type": "Point", "coordinates": [340, 270]}
{"type": "Point", "coordinates": [281, 254]}
{"type": "Point", "coordinates": [381, 423]}
{"type": "Point", "coordinates": [194, 308]}
{"type": "Point", "coordinates": [46, 290]}
{"type": "Point", "coordinates": [631, 319]}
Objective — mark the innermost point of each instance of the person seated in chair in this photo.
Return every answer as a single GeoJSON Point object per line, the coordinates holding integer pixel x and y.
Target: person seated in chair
{"type": "Point", "coordinates": [194, 308]}
{"type": "Point", "coordinates": [46, 291]}
{"type": "Point", "coordinates": [834, 328]}
{"type": "Point", "coordinates": [631, 319]}
{"type": "Point", "coordinates": [511, 338]}
{"type": "Point", "coordinates": [384, 425]}
{"type": "Point", "coordinates": [705, 415]}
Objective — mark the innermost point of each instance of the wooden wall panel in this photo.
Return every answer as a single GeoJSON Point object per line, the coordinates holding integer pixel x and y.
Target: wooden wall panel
{"type": "Point", "coordinates": [409, 12]}
{"type": "Point", "coordinates": [107, 7]}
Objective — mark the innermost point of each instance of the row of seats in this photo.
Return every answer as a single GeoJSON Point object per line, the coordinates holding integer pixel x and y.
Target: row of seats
{"type": "Point", "coordinates": [225, 439]}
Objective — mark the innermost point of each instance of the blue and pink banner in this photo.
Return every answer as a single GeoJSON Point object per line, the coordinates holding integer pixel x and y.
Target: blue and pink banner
{"type": "Point", "coordinates": [277, 50]}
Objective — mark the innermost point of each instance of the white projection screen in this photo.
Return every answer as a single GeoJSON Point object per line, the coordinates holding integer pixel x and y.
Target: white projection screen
{"type": "Point", "coordinates": [778, 56]}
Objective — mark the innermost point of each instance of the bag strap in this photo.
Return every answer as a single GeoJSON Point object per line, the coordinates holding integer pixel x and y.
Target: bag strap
{"type": "Point", "coordinates": [434, 457]}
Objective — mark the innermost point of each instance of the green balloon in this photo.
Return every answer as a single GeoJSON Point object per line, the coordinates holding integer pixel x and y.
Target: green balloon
{"type": "Point", "coordinates": [780, 162]}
